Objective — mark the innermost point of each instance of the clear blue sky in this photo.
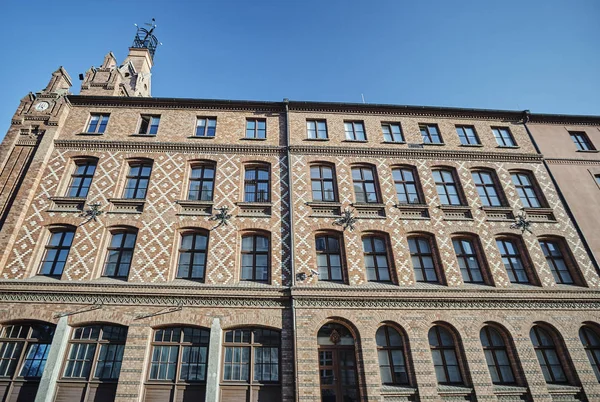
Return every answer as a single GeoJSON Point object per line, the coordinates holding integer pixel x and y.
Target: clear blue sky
{"type": "Point", "coordinates": [541, 55]}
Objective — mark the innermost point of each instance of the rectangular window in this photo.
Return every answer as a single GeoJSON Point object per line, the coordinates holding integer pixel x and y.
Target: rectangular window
{"type": "Point", "coordinates": [57, 251]}
{"type": "Point", "coordinates": [365, 190]}
{"type": "Point", "coordinates": [97, 123]}
{"type": "Point", "coordinates": [120, 254]}
{"type": "Point", "coordinates": [406, 186]}
{"type": "Point", "coordinates": [421, 255]}
{"type": "Point", "coordinates": [526, 189]}
{"type": "Point", "coordinates": [149, 125]}
{"type": "Point", "coordinates": [430, 134]}
{"type": "Point", "coordinates": [513, 263]}
{"type": "Point", "coordinates": [503, 137]}
{"type": "Point", "coordinates": [137, 180]}
{"type": "Point", "coordinates": [322, 184]}
{"type": "Point", "coordinates": [392, 132]}
{"type": "Point", "coordinates": [256, 185]}
{"type": "Point", "coordinates": [81, 179]}
{"type": "Point", "coordinates": [467, 135]}
{"type": "Point", "coordinates": [446, 187]}
{"type": "Point", "coordinates": [256, 129]}
{"type": "Point", "coordinates": [355, 131]}
{"type": "Point", "coordinates": [581, 140]}
{"type": "Point", "coordinates": [316, 129]}
{"type": "Point", "coordinates": [206, 126]}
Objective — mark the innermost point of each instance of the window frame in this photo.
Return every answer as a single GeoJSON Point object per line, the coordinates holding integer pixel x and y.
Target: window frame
{"type": "Point", "coordinates": [455, 348]}
{"type": "Point", "coordinates": [565, 255]}
{"type": "Point", "coordinates": [364, 182]}
{"type": "Point", "coordinates": [592, 351]}
{"type": "Point", "coordinates": [506, 347]}
{"type": "Point", "coordinates": [477, 254]}
{"type": "Point", "coordinates": [129, 178]}
{"type": "Point", "coordinates": [519, 246]}
{"type": "Point", "coordinates": [254, 252]}
{"type": "Point", "coordinates": [404, 182]}
{"type": "Point", "coordinates": [192, 251]}
{"type": "Point", "coordinates": [148, 120]}
{"type": "Point", "coordinates": [501, 139]}
{"type": "Point", "coordinates": [25, 347]}
{"type": "Point", "coordinates": [388, 349]}
{"type": "Point", "coordinates": [495, 185]}
{"type": "Point", "coordinates": [207, 127]}
{"type": "Point", "coordinates": [321, 180]}
{"type": "Point", "coordinates": [340, 242]}
{"type": "Point", "coordinates": [582, 141]}
{"type": "Point", "coordinates": [353, 137]}
{"type": "Point", "coordinates": [201, 181]}
{"type": "Point", "coordinates": [467, 141]}
{"type": "Point", "coordinates": [256, 131]}
{"type": "Point", "coordinates": [64, 229]}
{"type": "Point", "coordinates": [372, 236]}
{"type": "Point", "coordinates": [121, 249]}
{"type": "Point", "coordinates": [389, 126]}
{"type": "Point", "coordinates": [558, 349]}
{"type": "Point", "coordinates": [533, 186]}
{"type": "Point", "coordinates": [437, 269]}
{"type": "Point", "coordinates": [455, 182]}
{"type": "Point", "coordinates": [256, 182]}
{"type": "Point", "coordinates": [317, 131]}
{"type": "Point", "coordinates": [100, 125]}
{"type": "Point", "coordinates": [87, 162]}
{"type": "Point", "coordinates": [427, 136]}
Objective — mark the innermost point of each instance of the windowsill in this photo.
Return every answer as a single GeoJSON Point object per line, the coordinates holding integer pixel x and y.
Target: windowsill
{"type": "Point", "coordinates": [115, 278]}
{"type": "Point", "coordinates": [90, 134]}
{"type": "Point", "coordinates": [588, 151]}
{"type": "Point", "coordinates": [508, 146]}
{"type": "Point", "coordinates": [253, 139]}
{"type": "Point", "coordinates": [354, 141]}
{"type": "Point", "coordinates": [393, 142]}
{"type": "Point", "coordinates": [437, 144]}
{"type": "Point", "coordinates": [254, 209]}
{"type": "Point", "coordinates": [457, 212]}
{"type": "Point", "coordinates": [202, 137]}
{"type": "Point", "coordinates": [142, 135]}
{"type": "Point", "coordinates": [413, 211]}
{"type": "Point", "coordinates": [369, 210]}
{"type": "Point", "coordinates": [447, 389]}
{"type": "Point", "coordinates": [541, 214]}
{"type": "Point", "coordinates": [316, 139]}
{"type": "Point", "coordinates": [499, 214]}
{"type": "Point", "coordinates": [509, 389]}
{"type": "Point", "coordinates": [414, 205]}
{"type": "Point", "coordinates": [127, 205]}
{"type": "Point", "coordinates": [67, 204]}
{"type": "Point", "coordinates": [397, 390]}
{"type": "Point", "coordinates": [368, 205]}
{"type": "Point", "coordinates": [250, 204]}
{"type": "Point", "coordinates": [563, 389]}
{"type": "Point", "coordinates": [472, 145]}
{"type": "Point", "coordinates": [194, 202]}
{"type": "Point", "coordinates": [323, 203]}
{"type": "Point", "coordinates": [195, 207]}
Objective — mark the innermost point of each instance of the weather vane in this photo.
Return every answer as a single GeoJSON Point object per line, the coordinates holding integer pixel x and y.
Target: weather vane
{"type": "Point", "coordinates": [145, 38]}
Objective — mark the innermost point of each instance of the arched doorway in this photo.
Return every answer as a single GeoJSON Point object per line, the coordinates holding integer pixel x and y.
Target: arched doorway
{"type": "Point", "coordinates": [337, 364]}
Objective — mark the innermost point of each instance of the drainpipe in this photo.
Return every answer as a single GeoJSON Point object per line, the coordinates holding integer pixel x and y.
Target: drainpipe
{"type": "Point", "coordinates": [526, 117]}
{"type": "Point", "coordinates": [286, 103]}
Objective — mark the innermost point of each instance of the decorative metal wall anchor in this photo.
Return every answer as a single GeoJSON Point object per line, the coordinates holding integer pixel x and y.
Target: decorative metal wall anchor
{"type": "Point", "coordinates": [93, 212]}
{"type": "Point", "coordinates": [91, 307]}
{"type": "Point", "coordinates": [522, 223]}
{"type": "Point", "coordinates": [165, 310]}
{"type": "Point", "coordinates": [222, 217]}
{"type": "Point", "coordinates": [347, 220]}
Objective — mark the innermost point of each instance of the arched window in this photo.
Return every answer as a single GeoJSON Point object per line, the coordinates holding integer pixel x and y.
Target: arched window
{"type": "Point", "coordinates": [422, 257]}
{"type": "Point", "coordinates": [445, 356]}
{"type": "Point", "coordinates": [192, 255]}
{"type": "Point", "coordinates": [447, 187]}
{"type": "Point", "coordinates": [406, 181]}
{"type": "Point", "coordinates": [256, 184]}
{"type": "Point", "coordinates": [487, 188]}
{"type": "Point", "coordinates": [591, 343]}
{"type": "Point", "coordinates": [24, 348]}
{"type": "Point", "coordinates": [548, 355]}
{"type": "Point", "coordinates": [178, 364]}
{"type": "Point", "coordinates": [496, 356]}
{"type": "Point", "coordinates": [469, 259]}
{"type": "Point", "coordinates": [329, 257]}
{"type": "Point", "coordinates": [514, 259]}
{"type": "Point", "coordinates": [528, 189]}
{"type": "Point", "coordinates": [57, 251]}
{"type": "Point", "coordinates": [377, 261]}
{"type": "Point", "coordinates": [93, 363]}
{"type": "Point", "coordinates": [251, 364]}
{"type": "Point", "coordinates": [202, 181]}
{"type": "Point", "coordinates": [120, 253]}
{"type": "Point", "coordinates": [322, 178]}
{"type": "Point", "coordinates": [138, 179]}
{"type": "Point", "coordinates": [365, 184]}
{"type": "Point", "coordinates": [559, 261]}
{"type": "Point", "coordinates": [255, 258]}
{"type": "Point", "coordinates": [81, 179]}
{"type": "Point", "coordinates": [392, 360]}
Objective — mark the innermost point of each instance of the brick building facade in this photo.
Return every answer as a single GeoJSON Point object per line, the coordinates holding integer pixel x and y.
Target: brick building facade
{"type": "Point", "coordinates": [157, 249]}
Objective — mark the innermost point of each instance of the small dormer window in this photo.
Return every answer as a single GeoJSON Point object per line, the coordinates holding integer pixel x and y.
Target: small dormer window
{"type": "Point", "coordinates": [149, 125]}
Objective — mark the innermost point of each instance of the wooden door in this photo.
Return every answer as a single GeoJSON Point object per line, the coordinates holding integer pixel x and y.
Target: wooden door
{"type": "Point", "coordinates": [337, 372]}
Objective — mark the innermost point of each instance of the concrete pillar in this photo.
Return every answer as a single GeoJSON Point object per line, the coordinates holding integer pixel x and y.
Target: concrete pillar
{"type": "Point", "coordinates": [214, 361]}
{"type": "Point", "coordinates": [47, 387]}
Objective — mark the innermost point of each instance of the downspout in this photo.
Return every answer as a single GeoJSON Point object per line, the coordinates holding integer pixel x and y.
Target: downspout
{"type": "Point", "coordinates": [526, 117]}
{"type": "Point", "coordinates": [286, 103]}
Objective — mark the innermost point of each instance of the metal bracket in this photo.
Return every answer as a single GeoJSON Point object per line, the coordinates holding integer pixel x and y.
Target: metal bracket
{"type": "Point", "coordinates": [222, 217]}
{"type": "Point", "coordinates": [347, 220]}
{"type": "Point", "coordinates": [522, 223]}
{"type": "Point", "coordinates": [162, 311]}
{"type": "Point", "coordinates": [91, 307]}
{"type": "Point", "coordinates": [92, 213]}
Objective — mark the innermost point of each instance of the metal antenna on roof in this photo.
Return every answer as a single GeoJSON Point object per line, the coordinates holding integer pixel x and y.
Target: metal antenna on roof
{"type": "Point", "coordinates": [363, 98]}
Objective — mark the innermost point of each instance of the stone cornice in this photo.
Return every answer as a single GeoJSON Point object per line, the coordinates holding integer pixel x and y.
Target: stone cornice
{"type": "Point", "coordinates": [415, 153]}
{"type": "Point", "coordinates": [560, 161]}
{"type": "Point", "coordinates": [568, 120]}
{"type": "Point", "coordinates": [138, 146]}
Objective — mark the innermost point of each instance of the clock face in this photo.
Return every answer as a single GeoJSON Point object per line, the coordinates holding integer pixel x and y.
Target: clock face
{"type": "Point", "coordinates": [40, 107]}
